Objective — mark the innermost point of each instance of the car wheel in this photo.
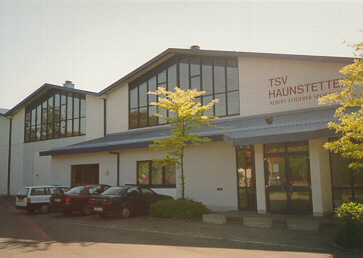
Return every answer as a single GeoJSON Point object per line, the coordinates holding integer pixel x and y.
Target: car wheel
{"type": "Point", "coordinates": [126, 212]}
{"type": "Point", "coordinates": [44, 208]}
{"type": "Point", "coordinates": [85, 210]}
{"type": "Point", "coordinates": [103, 215]}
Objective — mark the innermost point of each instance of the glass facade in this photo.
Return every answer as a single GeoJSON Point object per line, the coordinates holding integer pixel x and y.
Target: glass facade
{"type": "Point", "coordinates": [148, 173]}
{"type": "Point", "coordinates": [347, 183]}
{"type": "Point", "coordinates": [217, 76]}
{"type": "Point", "coordinates": [55, 115]}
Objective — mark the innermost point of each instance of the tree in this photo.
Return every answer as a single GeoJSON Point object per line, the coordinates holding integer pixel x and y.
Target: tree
{"type": "Point", "coordinates": [185, 115]}
{"type": "Point", "coordinates": [349, 112]}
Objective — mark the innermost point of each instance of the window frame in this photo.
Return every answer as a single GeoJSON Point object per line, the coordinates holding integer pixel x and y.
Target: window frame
{"type": "Point", "coordinates": [228, 62]}
{"type": "Point", "coordinates": [48, 120]}
{"type": "Point", "coordinates": [163, 173]}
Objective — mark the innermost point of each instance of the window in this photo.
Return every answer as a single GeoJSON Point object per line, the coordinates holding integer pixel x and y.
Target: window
{"type": "Point", "coordinates": [347, 183]}
{"type": "Point", "coordinates": [148, 173]}
{"type": "Point", "coordinates": [57, 114]}
{"type": "Point", "coordinates": [217, 76]}
{"type": "Point", "coordinates": [38, 191]}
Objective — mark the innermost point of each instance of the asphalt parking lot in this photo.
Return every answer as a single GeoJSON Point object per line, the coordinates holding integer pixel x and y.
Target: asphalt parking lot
{"type": "Point", "coordinates": [53, 234]}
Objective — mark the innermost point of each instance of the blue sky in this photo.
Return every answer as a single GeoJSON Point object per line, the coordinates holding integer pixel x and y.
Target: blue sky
{"type": "Point", "coordinates": [94, 43]}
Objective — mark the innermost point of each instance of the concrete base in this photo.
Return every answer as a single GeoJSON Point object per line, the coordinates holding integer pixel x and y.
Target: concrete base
{"type": "Point", "coordinates": [305, 225]}
{"type": "Point", "coordinates": [214, 219]}
{"type": "Point", "coordinates": [254, 222]}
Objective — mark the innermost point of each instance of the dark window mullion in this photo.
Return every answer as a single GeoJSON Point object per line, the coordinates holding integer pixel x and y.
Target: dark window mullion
{"type": "Point", "coordinates": [72, 114]}
{"type": "Point", "coordinates": [138, 106]}
{"type": "Point", "coordinates": [213, 90]}
{"type": "Point", "coordinates": [150, 171]}
{"type": "Point", "coordinates": [225, 85]}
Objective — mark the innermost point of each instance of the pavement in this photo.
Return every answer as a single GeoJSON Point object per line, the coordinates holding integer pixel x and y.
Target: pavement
{"type": "Point", "coordinates": [53, 234]}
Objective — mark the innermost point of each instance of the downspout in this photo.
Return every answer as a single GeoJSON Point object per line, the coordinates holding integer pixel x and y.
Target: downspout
{"type": "Point", "coordinates": [104, 117]}
{"type": "Point", "coordinates": [118, 166]}
{"type": "Point", "coordinates": [9, 156]}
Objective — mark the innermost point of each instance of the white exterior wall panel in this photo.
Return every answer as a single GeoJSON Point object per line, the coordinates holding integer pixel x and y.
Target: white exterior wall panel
{"type": "Point", "coordinates": [61, 167]}
{"type": "Point", "coordinates": [118, 110]}
{"type": "Point", "coordinates": [4, 150]}
{"type": "Point", "coordinates": [262, 79]}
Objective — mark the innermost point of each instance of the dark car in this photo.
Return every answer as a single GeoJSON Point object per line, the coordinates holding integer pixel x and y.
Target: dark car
{"type": "Point", "coordinates": [76, 199]}
{"type": "Point", "coordinates": [125, 201]}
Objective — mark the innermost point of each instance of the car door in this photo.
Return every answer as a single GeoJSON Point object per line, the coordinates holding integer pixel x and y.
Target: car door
{"type": "Point", "coordinates": [148, 198]}
{"type": "Point", "coordinates": [38, 195]}
{"type": "Point", "coordinates": [134, 200]}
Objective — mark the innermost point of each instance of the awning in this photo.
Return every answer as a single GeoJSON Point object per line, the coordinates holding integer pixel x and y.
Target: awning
{"type": "Point", "coordinates": [283, 127]}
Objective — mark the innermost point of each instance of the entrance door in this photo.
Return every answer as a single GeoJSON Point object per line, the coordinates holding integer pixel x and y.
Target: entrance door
{"type": "Point", "coordinates": [287, 176]}
{"type": "Point", "coordinates": [246, 178]}
{"type": "Point", "coordinates": [85, 175]}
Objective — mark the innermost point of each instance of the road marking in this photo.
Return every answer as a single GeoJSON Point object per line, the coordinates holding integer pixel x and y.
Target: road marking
{"type": "Point", "coordinates": [194, 235]}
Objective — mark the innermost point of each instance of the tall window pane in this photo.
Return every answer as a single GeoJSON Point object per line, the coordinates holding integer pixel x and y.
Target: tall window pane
{"type": "Point", "coordinates": [157, 175]}
{"type": "Point", "coordinates": [83, 126]}
{"type": "Point", "coordinates": [76, 106]}
{"type": "Point", "coordinates": [172, 83]}
{"type": "Point", "coordinates": [219, 75]}
{"type": "Point", "coordinates": [233, 103]}
{"type": "Point", "coordinates": [184, 74]}
{"type": "Point", "coordinates": [133, 98]}
{"type": "Point", "coordinates": [143, 94]}
{"type": "Point", "coordinates": [207, 75]}
{"type": "Point", "coordinates": [220, 107]}
{"type": "Point", "coordinates": [69, 106]}
{"type": "Point", "coordinates": [232, 75]}
{"type": "Point", "coordinates": [143, 173]}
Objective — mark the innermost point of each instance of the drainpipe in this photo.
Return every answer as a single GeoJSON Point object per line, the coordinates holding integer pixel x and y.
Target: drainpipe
{"type": "Point", "coordinates": [9, 156]}
{"type": "Point", "coordinates": [104, 117]}
{"type": "Point", "coordinates": [118, 166]}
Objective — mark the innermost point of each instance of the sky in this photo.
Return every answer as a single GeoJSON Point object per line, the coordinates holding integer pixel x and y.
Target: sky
{"type": "Point", "coordinates": [95, 43]}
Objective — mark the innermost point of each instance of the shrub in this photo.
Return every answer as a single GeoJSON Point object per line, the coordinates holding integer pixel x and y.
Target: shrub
{"type": "Point", "coordinates": [349, 231]}
{"type": "Point", "coordinates": [178, 209]}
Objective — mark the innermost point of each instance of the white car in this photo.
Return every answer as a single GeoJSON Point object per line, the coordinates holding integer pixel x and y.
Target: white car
{"type": "Point", "coordinates": [32, 198]}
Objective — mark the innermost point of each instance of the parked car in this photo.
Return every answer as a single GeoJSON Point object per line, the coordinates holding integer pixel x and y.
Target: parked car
{"type": "Point", "coordinates": [125, 200]}
{"type": "Point", "coordinates": [37, 198]}
{"type": "Point", "coordinates": [76, 199]}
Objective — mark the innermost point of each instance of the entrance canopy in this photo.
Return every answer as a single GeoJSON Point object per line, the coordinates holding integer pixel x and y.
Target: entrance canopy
{"type": "Point", "coordinates": [271, 128]}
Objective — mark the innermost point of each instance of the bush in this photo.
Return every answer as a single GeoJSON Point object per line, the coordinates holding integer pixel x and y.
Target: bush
{"type": "Point", "coordinates": [349, 231]}
{"type": "Point", "coordinates": [178, 209]}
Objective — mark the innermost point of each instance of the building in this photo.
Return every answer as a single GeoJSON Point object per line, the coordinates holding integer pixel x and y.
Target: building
{"type": "Point", "coordinates": [272, 160]}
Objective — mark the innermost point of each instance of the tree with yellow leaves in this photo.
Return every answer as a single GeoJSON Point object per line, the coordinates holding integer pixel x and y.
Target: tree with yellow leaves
{"type": "Point", "coordinates": [185, 115]}
{"type": "Point", "coordinates": [349, 112]}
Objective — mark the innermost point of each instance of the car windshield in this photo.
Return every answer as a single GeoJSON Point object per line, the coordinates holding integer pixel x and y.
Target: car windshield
{"type": "Point", "coordinates": [116, 190]}
{"type": "Point", "coordinates": [23, 192]}
{"type": "Point", "coordinates": [76, 190]}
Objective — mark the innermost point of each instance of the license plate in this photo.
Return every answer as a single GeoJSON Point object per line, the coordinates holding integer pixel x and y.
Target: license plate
{"type": "Point", "coordinates": [57, 200]}
{"type": "Point", "coordinates": [97, 209]}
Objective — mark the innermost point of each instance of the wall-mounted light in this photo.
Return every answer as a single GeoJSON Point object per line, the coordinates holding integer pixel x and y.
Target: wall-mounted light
{"type": "Point", "coordinates": [269, 120]}
{"type": "Point", "coordinates": [107, 172]}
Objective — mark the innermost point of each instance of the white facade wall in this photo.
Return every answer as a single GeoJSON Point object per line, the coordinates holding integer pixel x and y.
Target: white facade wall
{"type": "Point", "coordinates": [261, 80]}
{"type": "Point", "coordinates": [4, 150]}
{"type": "Point", "coordinates": [94, 117]}
{"type": "Point", "coordinates": [320, 178]}
{"type": "Point", "coordinates": [27, 167]}
{"type": "Point", "coordinates": [118, 110]}
{"type": "Point", "coordinates": [61, 167]}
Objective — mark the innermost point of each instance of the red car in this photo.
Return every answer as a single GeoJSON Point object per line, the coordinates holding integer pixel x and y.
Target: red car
{"type": "Point", "coordinates": [76, 199]}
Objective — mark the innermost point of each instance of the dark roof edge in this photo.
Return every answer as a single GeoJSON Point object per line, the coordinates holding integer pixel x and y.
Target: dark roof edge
{"type": "Point", "coordinates": [225, 53]}
{"type": "Point", "coordinates": [46, 85]}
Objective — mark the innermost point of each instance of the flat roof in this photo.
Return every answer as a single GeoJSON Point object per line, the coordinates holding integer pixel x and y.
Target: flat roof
{"type": "Point", "coordinates": [286, 127]}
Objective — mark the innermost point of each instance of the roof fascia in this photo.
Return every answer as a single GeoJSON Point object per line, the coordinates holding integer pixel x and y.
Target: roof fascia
{"type": "Point", "coordinates": [39, 91]}
{"type": "Point", "coordinates": [130, 75]}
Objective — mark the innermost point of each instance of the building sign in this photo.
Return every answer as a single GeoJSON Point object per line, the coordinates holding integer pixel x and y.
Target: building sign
{"type": "Point", "coordinates": [282, 92]}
